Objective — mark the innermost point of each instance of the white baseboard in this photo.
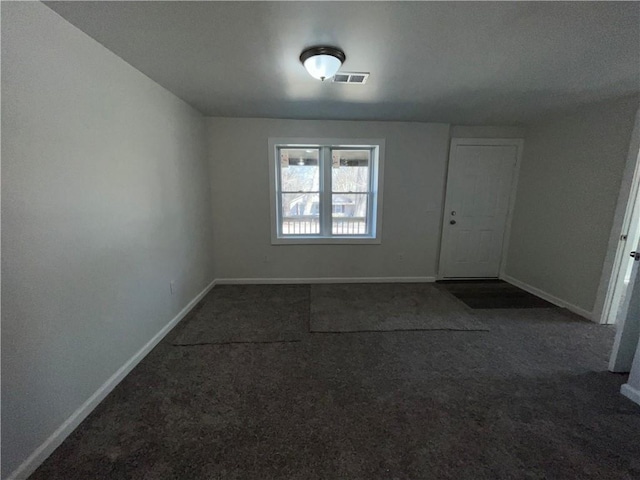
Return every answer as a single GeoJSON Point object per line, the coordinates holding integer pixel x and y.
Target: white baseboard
{"type": "Point", "coordinates": [631, 393]}
{"type": "Point", "coordinates": [280, 281]}
{"type": "Point", "coordinates": [548, 297]}
{"type": "Point", "coordinates": [63, 431]}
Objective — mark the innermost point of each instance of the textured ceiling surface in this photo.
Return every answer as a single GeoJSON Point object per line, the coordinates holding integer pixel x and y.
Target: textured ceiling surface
{"type": "Point", "coordinates": [458, 62]}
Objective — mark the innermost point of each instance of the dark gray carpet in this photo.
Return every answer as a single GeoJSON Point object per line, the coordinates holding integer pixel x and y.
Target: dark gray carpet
{"type": "Point", "coordinates": [387, 307]}
{"type": "Point", "coordinates": [484, 294]}
{"type": "Point", "coordinates": [529, 399]}
{"type": "Point", "coordinates": [248, 313]}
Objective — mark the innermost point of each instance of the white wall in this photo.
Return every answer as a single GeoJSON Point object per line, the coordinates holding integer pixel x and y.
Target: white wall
{"type": "Point", "coordinates": [567, 193]}
{"type": "Point", "coordinates": [105, 199]}
{"type": "Point", "coordinates": [415, 165]}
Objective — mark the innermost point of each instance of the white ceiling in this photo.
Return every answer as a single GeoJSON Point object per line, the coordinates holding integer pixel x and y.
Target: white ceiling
{"type": "Point", "coordinates": [458, 62]}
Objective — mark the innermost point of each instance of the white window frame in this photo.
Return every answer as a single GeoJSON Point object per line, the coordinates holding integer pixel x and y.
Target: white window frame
{"type": "Point", "coordinates": [325, 237]}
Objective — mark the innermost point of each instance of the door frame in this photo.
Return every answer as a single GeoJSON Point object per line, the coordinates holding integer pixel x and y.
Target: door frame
{"type": "Point", "coordinates": [617, 250]}
{"type": "Point", "coordinates": [474, 142]}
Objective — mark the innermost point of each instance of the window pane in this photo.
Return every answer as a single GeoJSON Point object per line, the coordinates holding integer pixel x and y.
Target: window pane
{"type": "Point", "coordinates": [300, 214]}
{"type": "Point", "coordinates": [299, 169]}
{"type": "Point", "coordinates": [350, 170]}
{"type": "Point", "coordinates": [349, 214]}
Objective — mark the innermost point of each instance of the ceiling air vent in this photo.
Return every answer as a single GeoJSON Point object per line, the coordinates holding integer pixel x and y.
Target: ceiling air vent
{"type": "Point", "coordinates": [354, 78]}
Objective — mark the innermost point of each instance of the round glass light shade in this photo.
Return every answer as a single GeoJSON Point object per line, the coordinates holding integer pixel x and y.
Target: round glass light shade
{"type": "Point", "coordinates": [322, 66]}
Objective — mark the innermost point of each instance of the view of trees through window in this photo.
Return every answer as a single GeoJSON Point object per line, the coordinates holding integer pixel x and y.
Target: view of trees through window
{"type": "Point", "coordinates": [300, 186]}
{"type": "Point", "coordinates": [300, 172]}
{"type": "Point", "coordinates": [350, 187]}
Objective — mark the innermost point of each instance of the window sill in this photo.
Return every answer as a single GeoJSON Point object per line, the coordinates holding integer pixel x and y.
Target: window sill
{"type": "Point", "coordinates": [326, 241]}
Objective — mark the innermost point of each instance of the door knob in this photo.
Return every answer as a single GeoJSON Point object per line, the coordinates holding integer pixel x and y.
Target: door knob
{"type": "Point", "coordinates": [636, 256]}
{"type": "Point", "coordinates": [452, 222]}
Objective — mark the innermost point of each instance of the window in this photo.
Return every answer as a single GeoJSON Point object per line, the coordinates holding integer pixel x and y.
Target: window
{"type": "Point", "coordinates": [326, 190]}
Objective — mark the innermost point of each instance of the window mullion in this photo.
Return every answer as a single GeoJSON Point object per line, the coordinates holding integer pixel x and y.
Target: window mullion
{"type": "Point", "coordinates": [325, 192]}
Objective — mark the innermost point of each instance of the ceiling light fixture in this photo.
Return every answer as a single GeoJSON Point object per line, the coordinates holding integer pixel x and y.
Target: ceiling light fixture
{"type": "Point", "coordinates": [322, 62]}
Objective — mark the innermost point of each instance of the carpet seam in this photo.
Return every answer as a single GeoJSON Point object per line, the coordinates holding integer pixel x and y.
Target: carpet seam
{"type": "Point", "coordinates": [234, 343]}
{"type": "Point", "coordinates": [404, 330]}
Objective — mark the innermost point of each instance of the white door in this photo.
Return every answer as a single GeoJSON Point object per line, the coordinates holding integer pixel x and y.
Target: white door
{"type": "Point", "coordinates": [621, 274]}
{"type": "Point", "coordinates": [620, 287]}
{"type": "Point", "coordinates": [628, 321]}
{"type": "Point", "coordinates": [479, 183]}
